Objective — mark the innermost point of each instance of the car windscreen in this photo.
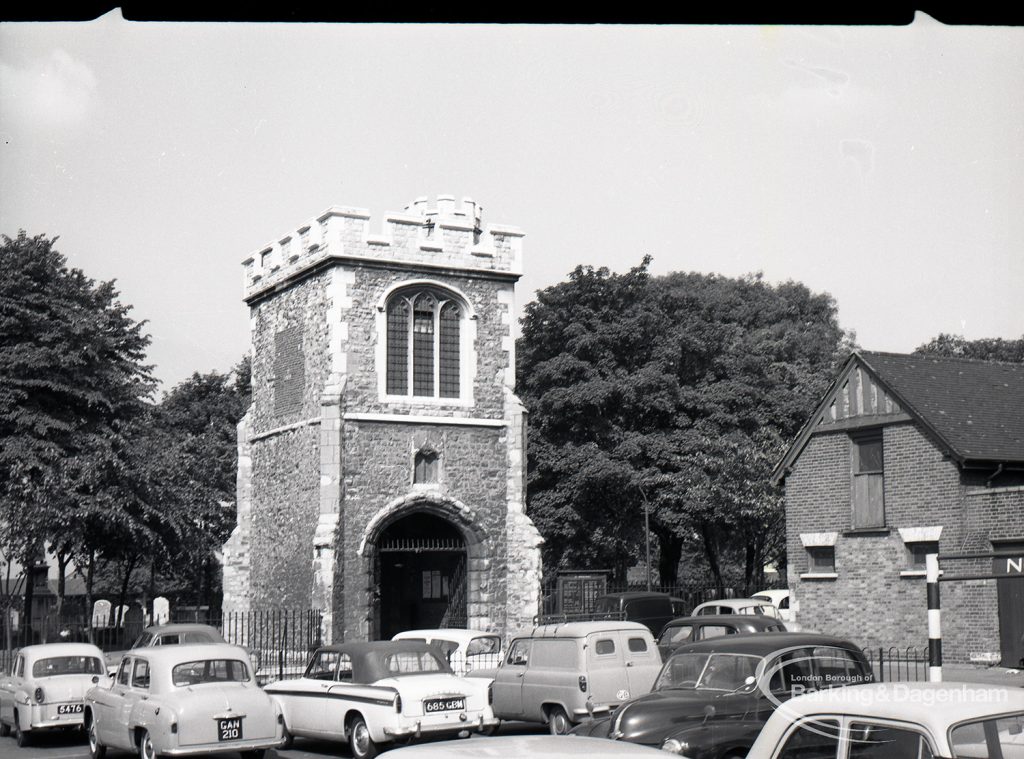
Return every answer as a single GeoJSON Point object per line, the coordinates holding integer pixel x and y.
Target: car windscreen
{"type": "Point", "coordinates": [413, 663]}
{"type": "Point", "coordinates": [994, 737]}
{"type": "Point", "coordinates": [485, 644]}
{"type": "Point", "coordinates": [209, 671]}
{"type": "Point", "coordinates": [717, 672]}
{"type": "Point", "coordinates": [68, 665]}
{"type": "Point", "coordinates": [146, 639]}
{"type": "Point", "coordinates": [606, 605]}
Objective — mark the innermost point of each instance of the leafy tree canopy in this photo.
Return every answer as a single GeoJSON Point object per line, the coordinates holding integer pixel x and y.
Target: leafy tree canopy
{"type": "Point", "coordinates": [676, 394]}
{"type": "Point", "coordinates": [987, 349]}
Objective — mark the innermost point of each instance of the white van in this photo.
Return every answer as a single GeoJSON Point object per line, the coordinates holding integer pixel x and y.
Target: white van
{"type": "Point", "coordinates": [563, 674]}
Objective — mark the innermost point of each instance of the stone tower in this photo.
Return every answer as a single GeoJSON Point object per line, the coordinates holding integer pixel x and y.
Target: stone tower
{"type": "Point", "coordinates": [382, 461]}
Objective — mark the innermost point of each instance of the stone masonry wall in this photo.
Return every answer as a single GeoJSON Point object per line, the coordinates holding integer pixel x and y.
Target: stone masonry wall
{"type": "Point", "coordinates": [378, 470]}
{"type": "Point", "coordinates": [870, 602]}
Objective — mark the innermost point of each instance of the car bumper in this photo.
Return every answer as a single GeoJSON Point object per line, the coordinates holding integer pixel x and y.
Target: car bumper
{"type": "Point", "coordinates": [226, 746]}
{"type": "Point", "coordinates": [74, 721]}
{"type": "Point", "coordinates": [418, 729]}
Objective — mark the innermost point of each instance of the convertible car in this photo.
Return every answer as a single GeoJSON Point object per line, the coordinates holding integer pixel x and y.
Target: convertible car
{"type": "Point", "coordinates": [371, 694]}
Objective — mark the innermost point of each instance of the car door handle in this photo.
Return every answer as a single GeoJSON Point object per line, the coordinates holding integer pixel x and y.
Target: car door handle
{"type": "Point", "coordinates": [629, 664]}
{"type": "Point", "coordinates": [520, 674]}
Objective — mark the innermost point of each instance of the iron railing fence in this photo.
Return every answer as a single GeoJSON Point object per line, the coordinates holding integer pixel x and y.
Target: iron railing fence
{"type": "Point", "coordinates": [279, 642]}
{"type": "Point", "coordinates": [689, 596]}
{"type": "Point", "coordinates": [898, 664]}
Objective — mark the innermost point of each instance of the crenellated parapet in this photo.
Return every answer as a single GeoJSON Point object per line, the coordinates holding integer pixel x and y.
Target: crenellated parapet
{"type": "Point", "coordinates": [438, 235]}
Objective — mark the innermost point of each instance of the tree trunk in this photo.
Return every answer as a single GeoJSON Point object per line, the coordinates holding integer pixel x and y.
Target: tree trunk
{"type": "Point", "coordinates": [129, 568]}
{"type": "Point", "coordinates": [711, 553]}
{"type": "Point", "coordinates": [670, 551]}
{"type": "Point", "coordinates": [63, 559]}
{"type": "Point", "coordinates": [749, 564]}
{"type": "Point", "coordinates": [30, 584]}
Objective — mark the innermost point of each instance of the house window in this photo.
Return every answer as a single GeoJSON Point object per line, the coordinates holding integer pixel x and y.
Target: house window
{"type": "Point", "coordinates": [917, 551]}
{"type": "Point", "coordinates": [868, 479]}
{"type": "Point", "coordinates": [423, 344]}
{"type": "Point", "coordinates": [821, 559]}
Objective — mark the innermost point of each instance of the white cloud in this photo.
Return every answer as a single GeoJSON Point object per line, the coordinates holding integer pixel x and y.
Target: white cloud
{"type": "Point", "coordinates": [55, 91]}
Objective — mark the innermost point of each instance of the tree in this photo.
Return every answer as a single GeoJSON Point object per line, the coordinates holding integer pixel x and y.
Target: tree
{"type": "Point", "coordinates": [71, 378]}
{"type": "Point", "coordinates": [987, 349]}
{"type": "Point", "coordinates": [677, 394]}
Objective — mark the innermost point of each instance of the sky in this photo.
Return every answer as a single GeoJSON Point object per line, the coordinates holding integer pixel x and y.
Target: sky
{"type": "Point", "coordinates": [882, 165]}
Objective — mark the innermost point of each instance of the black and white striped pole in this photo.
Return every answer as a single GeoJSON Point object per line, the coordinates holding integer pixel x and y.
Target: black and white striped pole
{"type": "Point", "coordinates": [934, 619]}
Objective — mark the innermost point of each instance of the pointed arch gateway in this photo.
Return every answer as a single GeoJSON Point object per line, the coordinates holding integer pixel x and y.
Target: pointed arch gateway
{"type": "Point", "coordinates": [419, 554]}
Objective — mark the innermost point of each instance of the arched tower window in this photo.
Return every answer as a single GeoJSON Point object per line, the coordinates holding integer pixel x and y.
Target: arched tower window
{"type": "Point", "coordinates": [423, 344]}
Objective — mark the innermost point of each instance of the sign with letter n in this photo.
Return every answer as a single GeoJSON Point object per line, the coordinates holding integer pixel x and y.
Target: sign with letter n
{"type": "Point", "coordinates": [1008, 566]}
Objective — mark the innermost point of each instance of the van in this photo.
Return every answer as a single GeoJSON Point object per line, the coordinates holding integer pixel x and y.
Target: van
{"type": "Point", "coordinates": [652, 609]}
{"type": "Point", "coordinates": [563, 674]}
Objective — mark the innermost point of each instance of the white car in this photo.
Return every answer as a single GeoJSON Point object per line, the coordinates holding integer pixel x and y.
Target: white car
{"type": "Point", "coordinates": [736, 606]}
{"type": "Point", "coordinates": [897, 721]}
{"type": "Point", "coordinates": [183, 700]}
{"type": "Point", "coordinates": [523, 746]}
{"type": "Point", "coordinates": [370, 694]}
{"type": "Point", "coordinates": [46, 688]}
{"type": "Point", "coordinates": [466, 649]}
{"type": "Point", "coordinates": [779, 598]}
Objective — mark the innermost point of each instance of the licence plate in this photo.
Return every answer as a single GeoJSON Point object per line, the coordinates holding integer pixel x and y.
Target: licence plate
{"type": "Point", "coordinates": [229, 729]}
{"type": "Point", "coordinates": [69, 709]}
{"type": "Point", "coordinates": [432, 705]}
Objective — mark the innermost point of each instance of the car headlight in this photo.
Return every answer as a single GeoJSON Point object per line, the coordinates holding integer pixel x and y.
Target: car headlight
{"type": "Point", "coordinates": [674, 745]}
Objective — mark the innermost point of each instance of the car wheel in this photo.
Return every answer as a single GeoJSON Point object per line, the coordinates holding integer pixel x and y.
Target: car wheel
{"type": "Point", "coordinates": [96, 749]}
{"type": "Point", "coordinates": [146, 748]}
{"type": "Point", "coordinates": [558, 721]}
{"type": "Point", "coordinates": [5, 729]}
{"type": "Point", "coordinates": [359, 740]}
{"type": "Point", "coordinates": [288, 739]}
{"type": "Point", "coordinates": [492, 730]}
{"type": "Point", "coordinates": [20, 736]}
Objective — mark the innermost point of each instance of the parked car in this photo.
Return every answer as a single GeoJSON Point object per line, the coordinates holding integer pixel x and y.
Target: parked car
{"type": "Point", "coordinates": [371, 694]}
{"type": "Point", "coordinates": [685, 630]}
{"type": "Point", "coordinates": [523, 746]}
{"type": "Point", "coordinates": [713, 697]}
{"type": "Point", "coordinates": [181, 700]}
{"type": "Point", "coordinates": [736, 606]}
{"type": "Point", "coordinates": [466, 650]}
{"type": "Point", "coordinates": [167, 635]}
{"type": "Point", "coordinates": [651, 609]}
{"type": "Point", "coordinates": [559, 675]}
{"type": "Point", "coordinates": [779, 598]}
{"type": "Point", "coordinates": [46, 687]}
{"type": "Point", "coordinates": [896, 721]}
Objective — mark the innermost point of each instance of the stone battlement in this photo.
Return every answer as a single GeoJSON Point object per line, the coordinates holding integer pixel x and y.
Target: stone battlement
{"type": "Point", "coordinates": [440, 235]}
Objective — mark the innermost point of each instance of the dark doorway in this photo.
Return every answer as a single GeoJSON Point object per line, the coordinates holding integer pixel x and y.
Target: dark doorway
{"type": "Point", "coordinates": [1011, 610]}
{"type": "Point", "coordinates": [421, 576]}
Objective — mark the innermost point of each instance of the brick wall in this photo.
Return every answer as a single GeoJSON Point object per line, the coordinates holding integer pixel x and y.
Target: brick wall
{"type": "Point", "coordinates": [870, 602]}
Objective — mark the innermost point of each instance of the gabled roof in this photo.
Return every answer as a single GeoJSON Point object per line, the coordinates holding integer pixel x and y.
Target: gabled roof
{"type": "Point", "coordinates": [974, 410]}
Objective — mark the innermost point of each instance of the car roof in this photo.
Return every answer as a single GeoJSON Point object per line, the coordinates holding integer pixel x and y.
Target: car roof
{"type": "Point", "coordinates": [45, 650]}
{"type": "Point", "coordinates": [180, 627]}
{"type": "Point", "coordinates": [517, 746]}
{"type": "Point", "coordinates": [774, 593]}
{"type": "Point", "coordinates": [763, 644]}
{"type": "Point", "coordinates": [456, 634]}
{"type": "Point", "coordinates": [581, 629]}
{"type": "Point", "coordinates": [367, 657]}
{"type": "Point", "coordinates": [733, 602]}
{"type": "Point", "coordinates": [163, 655]}
{"type": "Point", "coordinates": [934, 705]}
{"type": "Point", "coordinates": [715, 619]}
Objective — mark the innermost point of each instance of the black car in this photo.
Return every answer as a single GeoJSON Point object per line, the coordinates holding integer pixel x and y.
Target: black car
{"type": "Point", "coordinates": [651, 609]}
{"type": "Point", "coordinates": [712, 697]}
{"type": "Point", "coordinates": [685, 630]}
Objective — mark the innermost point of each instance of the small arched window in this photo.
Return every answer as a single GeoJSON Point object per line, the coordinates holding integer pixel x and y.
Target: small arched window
{"type": "Point", "coordinates": [423, 355]}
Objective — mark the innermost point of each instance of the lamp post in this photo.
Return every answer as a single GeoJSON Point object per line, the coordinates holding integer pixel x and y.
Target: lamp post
{"type": "Point", "coordinates": [647, 536]}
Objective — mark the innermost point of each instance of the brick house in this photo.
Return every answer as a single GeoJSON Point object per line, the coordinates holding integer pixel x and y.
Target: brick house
{"type": "Point", "coordinates": [382, 461]}
{"type": "Point", "coordinates": [905, 456]}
